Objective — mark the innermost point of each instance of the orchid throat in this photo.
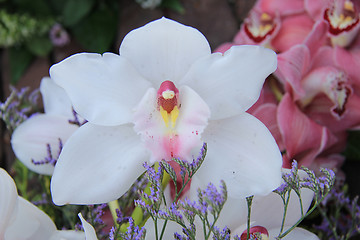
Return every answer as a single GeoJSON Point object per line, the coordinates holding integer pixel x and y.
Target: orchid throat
{"type": "Point", "coordinates": [168, 102]}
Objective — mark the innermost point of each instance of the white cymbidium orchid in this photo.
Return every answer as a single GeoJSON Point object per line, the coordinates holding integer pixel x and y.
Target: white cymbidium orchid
{"type": "Point", "coordinates": [35, 137]}
{"type": "Point", "coordinates": [161, 98]}
{"type": "Point", "coordinates": [20, 219]}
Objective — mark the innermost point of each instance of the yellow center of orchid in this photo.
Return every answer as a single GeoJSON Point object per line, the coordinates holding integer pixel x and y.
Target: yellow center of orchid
{"type": "Point", "coordinates": [345, 18]}
{"type": "Point", "coordinates": [262, 27]}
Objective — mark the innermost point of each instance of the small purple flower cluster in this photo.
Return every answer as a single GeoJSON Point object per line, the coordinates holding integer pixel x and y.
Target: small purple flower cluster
{"type": "Point", "coordinates": [19, 106]}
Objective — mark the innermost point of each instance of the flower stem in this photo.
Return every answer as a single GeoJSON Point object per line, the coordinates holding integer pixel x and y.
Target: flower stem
{"type": "Point", "coordinates": [249, 203]}
{"type": "Point", "coordinates": [113, 205]}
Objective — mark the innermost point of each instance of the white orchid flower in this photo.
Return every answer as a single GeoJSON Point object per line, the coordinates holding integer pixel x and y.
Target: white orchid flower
{"type": "Point", "coordinates": [162, 97]}
{"type": "Point", "coordinates": [30, 139]}
{"type": "Point", "coordinates": [20, 219]}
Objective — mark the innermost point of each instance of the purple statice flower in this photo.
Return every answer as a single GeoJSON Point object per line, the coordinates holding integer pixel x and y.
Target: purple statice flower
{"type": "Point", "coordinates": [49, 159]}
{"type": "Point", "coordinates": [42, 201]}
{"type": "Point", "coordinates": [18, 106]}
{"type": "Point", "coordinates": [58, 35]}
{"type": "Point", "coordinates": [120, 217]}
{"type": "Point", "coordinates": [134, 232]}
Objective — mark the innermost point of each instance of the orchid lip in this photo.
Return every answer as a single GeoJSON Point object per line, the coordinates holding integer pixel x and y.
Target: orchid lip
{"type": "Point", "coordinates": [343, 19]}
{"type": "Point", "coordinates": [259, 26]}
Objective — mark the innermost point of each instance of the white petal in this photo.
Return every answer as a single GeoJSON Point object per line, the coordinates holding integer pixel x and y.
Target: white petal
{"type": "Point", "coordinates": [8, 199]}
{"type": "Point", "coordinates": [68, 235]}
{"type": "Point", "coordinates": [231, 83]}
{"type": "Point", "coordinates": [242, 152]}
{"type": "Point", "coordinates": [271, 217]}
{"type": "Point", "coordinates": [29, 140]}
{"type": "Point", "coordinates": [103, 88]}
{"type": "Point", "coordinates": [182, 141]}
{"type": "Point", "coordinates": [98, 164]}
{"type": "Point", "coordinates": [30, 223]}
{"type": "Point", "coordinates": [296, 234]}
{"type": "Point", "coordinates": [89, 230]}
{"type": "Point", "coordinates": [55, 99]}
{"type": "Point", "coordinates": [171, 228]}
{"type": "Point", "coordinates": [164, 50]}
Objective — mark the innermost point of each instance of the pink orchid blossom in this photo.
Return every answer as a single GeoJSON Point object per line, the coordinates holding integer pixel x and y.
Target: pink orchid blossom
{"type": "Point", "coordinates": [343, 17]}
{"type": "Point", "coordinates": [20, 219]}
{"type": "Point", "coordinates": [30, 139]}
{"type": "Point", "coordinates": [161, 98]}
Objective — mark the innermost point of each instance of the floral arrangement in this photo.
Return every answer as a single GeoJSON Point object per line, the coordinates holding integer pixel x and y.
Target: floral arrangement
{"type": "Point", "coordinates": [167, 140]}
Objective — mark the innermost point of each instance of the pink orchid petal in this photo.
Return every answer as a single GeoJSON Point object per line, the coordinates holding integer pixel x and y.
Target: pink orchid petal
{"type": "Point", "coordinates": [8, 200]}
{"type": "Point", "coordinates": [107, 159]}
{"type": "Point", "coordinates": [294, 30]}
{"type": "Point", "coordinates": [103, 88]}
{"type": "Point", "coordinates": [303, 138]}
{"type": "Point", "coordinates": [164, 50]}
{"type": "Point", "coordinates": [317, 37]}
{"type": "Point", "coordinates": [292, 65]}
{"type": "Point", "coordinates": [319, 112]}
{"type": "Point", "coordinates": [184, 139]}
{"type": "Point", "coordinates": [245, 169]}
{"type": "Point", "coordinates": [316, 8]}
{"type": "Point", "coordinates": [233, 81]}
{"type": "Point", "coordinates": [283, 7]}
{"type": "Point", "coordinates": [349, 61]}
{"type": "Point", "coordinates": [29, 140]}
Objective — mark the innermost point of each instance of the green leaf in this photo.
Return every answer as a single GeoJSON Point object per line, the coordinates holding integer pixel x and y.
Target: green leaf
{"type": "Point", "coordinates": [39, 46]}
{"type": "Point", "coordinates": [35, 7]}
{"type": "Point", "coordinates": [97, 32]}
{"type": "Point", "coordinates": [75, 10]}
{"type": "Point", "coordinates": [174, 5]}
{"type": "Point", "coordinates": [20, 60]}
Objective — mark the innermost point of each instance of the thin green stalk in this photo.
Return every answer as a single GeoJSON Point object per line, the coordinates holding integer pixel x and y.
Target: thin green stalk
{"type": "Point", "coordinates": [285, 212]}
{"type": "Point", "coordinates": [249, 203]}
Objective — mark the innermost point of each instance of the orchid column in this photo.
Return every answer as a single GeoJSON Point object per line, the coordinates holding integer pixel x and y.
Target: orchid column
{"type": "Point", "coordinates": [162, 97]}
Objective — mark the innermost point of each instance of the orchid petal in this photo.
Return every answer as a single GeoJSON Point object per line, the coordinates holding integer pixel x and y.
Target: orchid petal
{"type": "Point", "coordinates": [301, 135]}
{"type": "Point", "coordinates": [33, 222]}
{"type": "Point", "coordinates": [192, 120]}
{"type": "Point", "coordinates": [8, 199]}
{"type": "Point", "coordinates": [90, 233]}
{"type": "Point", "coordinates": [107, 159]}
{"type": "Point", "coordinates": [284, 7]}
{"type": "Point", "coordinates": [294, 30]}
{"type": "Point", "coordinates": [55, 99]}
{"type": "Point", "coordinates": [242, 152]}
{"type": "Point", "coordinates": [295, 234]}
{"type": "Point", "coordinates": [293, 64]}
{"type": "Point", "coordinates": [233, 81]}
{"type": "Point", "coordinates": [68, 234]}
{"type": "Point", "coordinates": [164, 50]}
{"type": "Point", "coordinates": [29, 140]}
{"type": "Point", "coordinates": [103, 88]}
